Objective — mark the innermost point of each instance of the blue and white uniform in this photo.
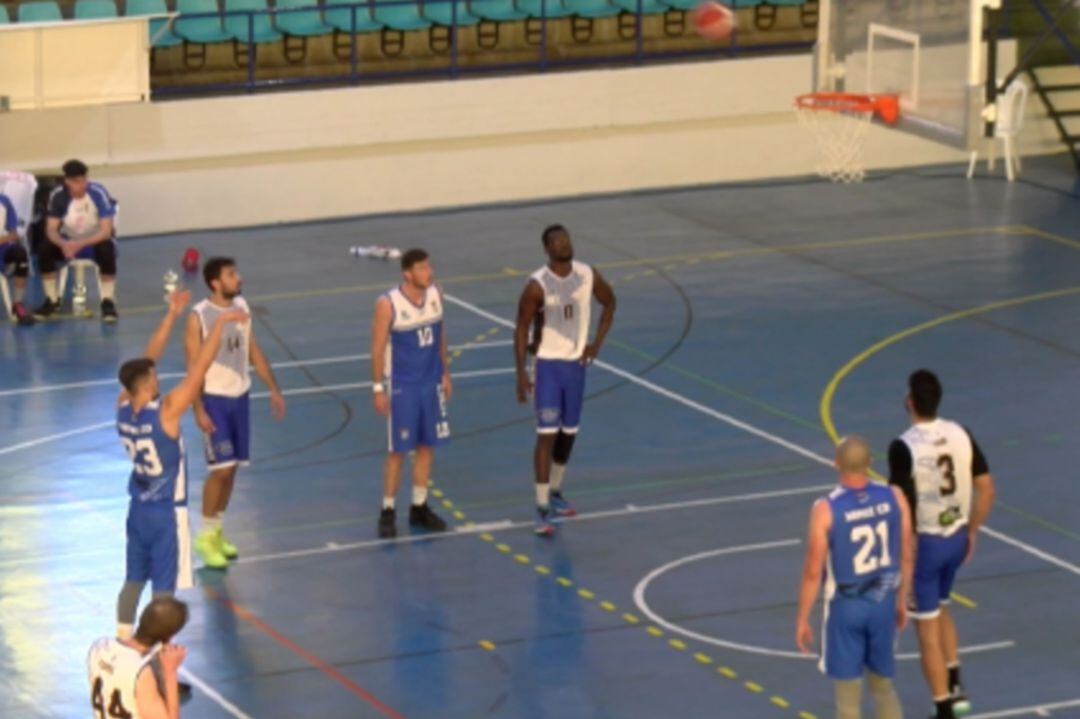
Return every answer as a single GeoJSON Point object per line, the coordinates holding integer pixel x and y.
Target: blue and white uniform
{"type": "Point", "coordinates": [935, 464]}
{"type": "Point", "coordinates": [81, 217]}
{"type": "Point", "coordinates": [226, 388]}
{"type": "Point", "coordinates": [560, 376]}
{"type": "Point", "coordinates": [862, 576]}
{"type": "Point", "coordinates": [158, 531]}
{"type": "Point", "coordinates": [415, 368]}
{"type": "Point", "coordinates": [9, 222]}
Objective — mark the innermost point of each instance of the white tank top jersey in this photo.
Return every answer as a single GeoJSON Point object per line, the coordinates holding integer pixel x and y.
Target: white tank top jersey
{"type": "Point", "coordinates": [414, 352]}
{"type": "Point", "coordinates": [567, 307]}
{"type": "Point", "coordinates": [941, 461]}
{"type": "Point", "coordinates": [113, 669]}
{"type": "Point", "coordinates": [229, 375]}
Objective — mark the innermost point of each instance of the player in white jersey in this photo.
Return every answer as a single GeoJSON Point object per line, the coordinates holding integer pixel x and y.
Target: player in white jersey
{"type": "Point", "coordinates": [222, 410]}
{"type": "Point", "coordinates": [411, 386]}
{"type": "Point", "coordinates": [558, 300]}
{"type": "Point", "coordinates": [136, 678]}
{"type": "Point", "coordinates": [950, 491]}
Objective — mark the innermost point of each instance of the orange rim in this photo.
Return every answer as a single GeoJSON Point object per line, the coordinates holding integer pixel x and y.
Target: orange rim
{"type": "Point", "coordinates": [885, 107]}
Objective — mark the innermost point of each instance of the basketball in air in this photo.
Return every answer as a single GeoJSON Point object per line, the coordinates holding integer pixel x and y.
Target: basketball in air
{"type": "Point", "coordinates": [713, 20]}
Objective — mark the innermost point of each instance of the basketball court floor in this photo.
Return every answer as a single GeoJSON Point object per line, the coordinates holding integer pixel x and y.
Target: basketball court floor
{"type": "Point", "coordinates": [755, 324]}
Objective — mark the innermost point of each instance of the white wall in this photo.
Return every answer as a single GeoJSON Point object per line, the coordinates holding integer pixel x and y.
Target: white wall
{"type": "Point", "coordinates": [316, 154]}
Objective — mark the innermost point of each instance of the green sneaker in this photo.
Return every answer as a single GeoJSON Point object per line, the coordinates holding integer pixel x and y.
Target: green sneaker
{"type": "Point", "coordinates": [228, 549]}
{"type": "Point", "coordinates": [209, 550]}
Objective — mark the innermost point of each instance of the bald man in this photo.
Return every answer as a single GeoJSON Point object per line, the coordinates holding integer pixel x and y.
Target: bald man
{"type": "Point", "coordinates": [860, 535]}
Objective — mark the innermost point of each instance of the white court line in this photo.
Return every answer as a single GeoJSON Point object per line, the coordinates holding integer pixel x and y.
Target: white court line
{"type": "Point", "coordinates": [340, 359]}
{"type": "Point", "coordinates": [769, 437]}
{"type": "Point", "coordinates": [506, 525]}
{"type": "Point", "coordinates": [643, 606]}
{"type": "Point", "coordinates": [1041, 710]}
{"type": "Point", "coordinates": [255, 395]}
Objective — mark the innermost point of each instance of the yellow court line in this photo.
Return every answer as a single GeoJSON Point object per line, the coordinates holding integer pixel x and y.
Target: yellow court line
{"type": "Point", "coordinates": [825, 406]}
{"type": "Point", "coordinates": [1052, 237]}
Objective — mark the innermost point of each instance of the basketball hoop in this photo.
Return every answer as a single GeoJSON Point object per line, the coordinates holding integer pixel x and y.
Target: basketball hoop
{"type": "Point", "coordinates": [839, 122]}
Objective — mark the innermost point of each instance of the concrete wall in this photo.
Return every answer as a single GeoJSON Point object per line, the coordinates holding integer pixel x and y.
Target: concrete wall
{"type": "Point", "coordinates": [284, 157]}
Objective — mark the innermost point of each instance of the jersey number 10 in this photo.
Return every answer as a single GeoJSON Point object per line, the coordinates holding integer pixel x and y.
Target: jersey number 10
{"type": "Point", "coordinates": [868, 538]}
{"type": "Point", "coordinates": [425, 337]}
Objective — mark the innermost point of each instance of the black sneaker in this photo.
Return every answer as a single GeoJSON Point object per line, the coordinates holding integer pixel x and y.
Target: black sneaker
{"type": "Point", "coordinates": [49, 310]}
{"type": "Point", "coordinates": [108, 312]}
{"type": "Point", "coordinates": [185, 692]}
{"type": "Point", "coordinates": [22, 315]}
{"type": "Point", "coordinates": [422, 516]}
{"type": "Point", "coordinates": [387, 524]}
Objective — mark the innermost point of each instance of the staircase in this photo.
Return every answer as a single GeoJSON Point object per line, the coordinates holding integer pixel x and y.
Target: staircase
{"type": "Point", "coordinates": [1058, 86]}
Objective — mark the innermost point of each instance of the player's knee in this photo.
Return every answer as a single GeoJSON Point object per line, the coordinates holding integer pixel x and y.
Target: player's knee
{"type": "Point", "coordinates": [105, 256]}
{"type": "Point", "coordinates": [18, 258]}
{"type": "Point", "coordinates": [849, 699]}
{"type": "Point", "coordinates": [563, 445]}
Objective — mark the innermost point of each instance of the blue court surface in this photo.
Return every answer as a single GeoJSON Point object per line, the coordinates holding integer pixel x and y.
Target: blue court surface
{"type": "Point", "coordinates": [754, 323]}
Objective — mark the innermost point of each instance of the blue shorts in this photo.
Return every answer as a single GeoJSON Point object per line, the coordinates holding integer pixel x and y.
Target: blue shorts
{"type": "Point", "coordinates": [559, 393]}
{"type": "Point", "coordinates": [858, 634]}
{"type": "Point", "coordinates": [936, 564]}
{"type": "Point", "coordinates": [230, 444]}
{"type": "Point", "coordinates": [417, 416]}
{"type": "Point", "coordinates": [159, 546]}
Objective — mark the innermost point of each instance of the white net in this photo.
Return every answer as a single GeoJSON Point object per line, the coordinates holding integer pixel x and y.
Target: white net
{"type": "Point", "coordinates": [840, 136]}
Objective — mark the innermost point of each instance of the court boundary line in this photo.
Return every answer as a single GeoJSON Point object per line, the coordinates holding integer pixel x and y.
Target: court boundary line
{"type": "Point", "coordinates": [296, 391]}
{"type": "Point", "coordinates": [1037, 709]}
{"type": "Point", "coordinates": [292, 364]}
{"type": "Point", "coordinates": [751, 429]}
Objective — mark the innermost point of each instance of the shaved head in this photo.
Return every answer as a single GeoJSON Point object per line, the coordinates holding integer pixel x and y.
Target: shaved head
{"type": "Point", "coordinates": [853, 456]}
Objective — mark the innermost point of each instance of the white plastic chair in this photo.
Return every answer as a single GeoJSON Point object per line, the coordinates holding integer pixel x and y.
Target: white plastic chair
{"type": "Point", "coordinates": [20, 188]}
{"type": "Point", "coordinates": [1010, 119]}
{"type": "Point", "coordinates": [80, 267]}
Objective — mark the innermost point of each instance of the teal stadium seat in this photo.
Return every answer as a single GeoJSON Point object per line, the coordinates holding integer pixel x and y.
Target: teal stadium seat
{"type": "Point", "coordinates": [442, 12]}
{"type": "Point", "coordinates": [340, 18]}
{"type": "Point", "coordinates": [648, 7]}
{"type": "Point", "coordinates": [551, 9]}
{"type": "Point", "coordinates": [46, 11]}
{"type": "Point", "coordinates": [401, 17]}
{"type": "Point", "coordinates": [257, 27]}
{"type": "Point", "coordinates": [592, 8]}
{"type": "Point", "coordinates": [498, 10]}
{"type": "Point", "coordinates": [4, 17]}
{"type": "Point", "coordinates": [160, 34]}
{"type": "Point", "coordinates": [305, 20]}
{"type": "Point", "coordinates": [201, 30]}
{"type": "Point", "coordinates": [95, 9]}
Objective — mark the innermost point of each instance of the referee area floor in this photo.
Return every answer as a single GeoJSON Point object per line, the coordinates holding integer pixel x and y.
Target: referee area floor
{"type": "Point", "coordinates": [755, 323]}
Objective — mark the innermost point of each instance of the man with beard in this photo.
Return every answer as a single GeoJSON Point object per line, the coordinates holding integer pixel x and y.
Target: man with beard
{"type": "Point", "coordinates": [222, 410]}
{"type": "Point", "coordinates": [411, 386]}
{"type": "Point", "coordinates": [558, 298]}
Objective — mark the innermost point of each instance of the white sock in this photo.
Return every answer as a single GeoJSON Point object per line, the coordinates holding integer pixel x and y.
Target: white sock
{"type": "Point", "coordinates": [543, 495]}
{"type": "Point", "coordinates": [125, 631]}
{"type": "Point", "coordinates": [212, 524]}
{"type": "Point", "coordinates": [108, 289]}
{"type": "Point", "coordinates": [52, 288]}
{"type": "Point", "coordinates": [419, 496]}
{"type": "Point", "coordinates": [558, 471]}
{"type": "Point", "coordinates": [387, 502]}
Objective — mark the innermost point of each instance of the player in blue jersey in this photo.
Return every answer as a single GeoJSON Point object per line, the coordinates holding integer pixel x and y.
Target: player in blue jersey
{"type": "Point", "coordinates": [860, 535]}
{"type": "Point", "coordinates": [411, 386]}
{"type": "Point", "coordinates": [158, 538]}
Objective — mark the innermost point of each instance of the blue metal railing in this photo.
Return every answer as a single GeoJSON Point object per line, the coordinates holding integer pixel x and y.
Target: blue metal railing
{"type": "Point", "coordinates": [454, 67]}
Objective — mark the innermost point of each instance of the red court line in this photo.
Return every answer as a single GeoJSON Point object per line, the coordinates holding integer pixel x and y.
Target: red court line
{"type": "Point", "coordinates": [304, 654]}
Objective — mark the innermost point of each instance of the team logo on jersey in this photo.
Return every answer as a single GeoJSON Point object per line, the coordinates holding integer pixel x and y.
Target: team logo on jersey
{"type": "Point", "coordinates": [549, 415]}
{"type": "Point", "coordinates": [404, 315]}
{"type": "Point", "coordinates": [404, 435]}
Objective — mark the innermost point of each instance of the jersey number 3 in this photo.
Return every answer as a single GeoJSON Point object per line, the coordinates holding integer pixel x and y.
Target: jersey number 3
{"type": "Point", "coordinates": [144, 454]}
{"type": "Point", "coordinates": [868, 538]}
{"type": "Point", "coordinates": [116, 706]}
